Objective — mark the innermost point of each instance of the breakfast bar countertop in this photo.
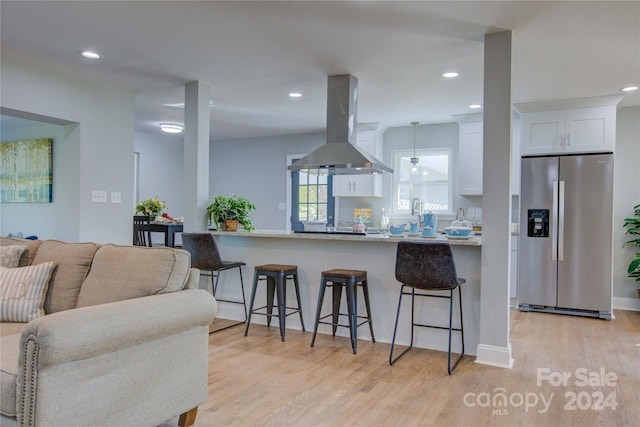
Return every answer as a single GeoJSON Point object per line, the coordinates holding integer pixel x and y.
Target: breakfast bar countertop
{"type": "Point", "coordinates": [378, 238]}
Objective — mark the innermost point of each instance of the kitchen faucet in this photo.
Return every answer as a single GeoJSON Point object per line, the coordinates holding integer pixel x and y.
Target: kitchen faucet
{"type": "Point", "coordinates": [413, 209]}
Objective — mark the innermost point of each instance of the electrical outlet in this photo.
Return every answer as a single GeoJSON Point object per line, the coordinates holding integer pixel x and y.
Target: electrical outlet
{"type": "Point", "coordinates": [116, 197]}
{"type": "Point", "coordinates": [99, 196]}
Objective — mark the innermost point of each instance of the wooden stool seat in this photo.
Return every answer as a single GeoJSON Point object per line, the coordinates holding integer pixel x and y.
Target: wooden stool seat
{"type": "Point", "coordinates": [276, 276]}
{"type": "Point", "coordinates": [350, 280]}
{"type": "Point", "coordinates": [276, 267]}
{"type": "Point", "coordinates": [338, 272]}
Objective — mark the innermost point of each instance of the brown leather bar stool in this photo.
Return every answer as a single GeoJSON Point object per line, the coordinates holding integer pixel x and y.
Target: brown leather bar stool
{"type": "Point", "coordinates": [350, 280]}
{"type": "Point", "coordinates": [276, 276]}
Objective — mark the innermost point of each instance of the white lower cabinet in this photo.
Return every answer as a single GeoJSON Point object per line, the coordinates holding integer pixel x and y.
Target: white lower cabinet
{"type": "Point", "coordinates": [357, 185]}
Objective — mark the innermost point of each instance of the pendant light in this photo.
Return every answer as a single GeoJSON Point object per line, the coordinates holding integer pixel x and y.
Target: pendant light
{"type": "Point", "coordinates": [414, 160]}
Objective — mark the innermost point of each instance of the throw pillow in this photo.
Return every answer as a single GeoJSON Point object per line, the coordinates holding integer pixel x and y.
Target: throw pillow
{"type": "Point", "coordinates": [22, 291]}
{"type": "Point", "coordinates": [10, 255]}
{"type": "Point", "coordinates": [28, 255]}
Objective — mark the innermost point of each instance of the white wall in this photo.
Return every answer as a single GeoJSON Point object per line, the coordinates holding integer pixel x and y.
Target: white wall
{"type": "Point", "coordinates": [43, 219]}
{"type": "Point", "coordinates": [257, 169]}
{"type": "Point", "coordinates": [104, 138]}
{"type": "Point", "coordinates": [626, 196]}
{"type": "Point", "coordinates": [160, 169]}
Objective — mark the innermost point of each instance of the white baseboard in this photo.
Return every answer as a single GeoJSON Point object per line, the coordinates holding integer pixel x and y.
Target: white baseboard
{"type": "Point", "coordinates": [492, 355]}
{"type": "Point", "coordinates": [630, 304]}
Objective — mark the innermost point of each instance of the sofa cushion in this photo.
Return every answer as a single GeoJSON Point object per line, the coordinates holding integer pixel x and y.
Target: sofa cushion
{"type": "Point", "coordinates": [22, 291]}
{"type": "Point", "coordinates": [32, 248]}
{"type": "Point", "coordinates": [74, 261]}
{"type": "Point", "coordinates": [10, 255]}
{"type": "Point", "coordinates": [10, 328]}
{"type": "Point", "coordinates": [124, 272]}
{"type": "Point", "coordinates": [8, 371]}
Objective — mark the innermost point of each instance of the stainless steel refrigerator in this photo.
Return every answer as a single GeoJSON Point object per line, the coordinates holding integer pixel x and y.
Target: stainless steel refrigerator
{"type": "Point", "coordinates": [566, 235]}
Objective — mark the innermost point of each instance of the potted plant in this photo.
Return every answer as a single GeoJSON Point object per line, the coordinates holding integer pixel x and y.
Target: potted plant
{"type": "Point", "coordinates": [228, 212]}
{"type": "Point", "coordinates": [632, 226]}
{"type": "Point", "coordinates": [152, 207]}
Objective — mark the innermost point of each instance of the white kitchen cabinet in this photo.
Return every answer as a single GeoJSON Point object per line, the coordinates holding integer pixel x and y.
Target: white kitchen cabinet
{"type": "Point", "coordinates": [556, 130]}
{"type": "Point", "coordinates": [515, 157]}
{"type": "Point", "coordinates": [357, 185]}
{"type": "Point", "coordinates": [361, 185]}
{"type": "Point", "coordinates": [470, 159]}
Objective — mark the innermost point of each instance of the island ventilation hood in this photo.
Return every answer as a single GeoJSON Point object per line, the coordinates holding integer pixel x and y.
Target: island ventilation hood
{"type": "Point", "coordinates": [339, 155]}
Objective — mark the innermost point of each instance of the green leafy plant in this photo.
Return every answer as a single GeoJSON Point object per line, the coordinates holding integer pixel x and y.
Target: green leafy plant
{"type": "Point", "coordinates": [152, 207]}
{"type": "Point", "coordinates": [228, 208]}
{"type": "Point", "coordinates": [632, 226]}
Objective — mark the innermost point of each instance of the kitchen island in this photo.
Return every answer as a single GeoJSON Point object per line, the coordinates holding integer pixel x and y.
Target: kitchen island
{"type": "Point", "coordinates": [375, 253]}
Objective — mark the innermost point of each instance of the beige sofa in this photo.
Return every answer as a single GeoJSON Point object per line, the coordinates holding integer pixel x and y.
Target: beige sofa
{"type": "Point", "coordinates": [123, 340]}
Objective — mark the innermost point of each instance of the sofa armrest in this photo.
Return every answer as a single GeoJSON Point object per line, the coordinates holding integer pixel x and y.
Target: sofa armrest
{"type": "Point", "coordinates": [133, 362]}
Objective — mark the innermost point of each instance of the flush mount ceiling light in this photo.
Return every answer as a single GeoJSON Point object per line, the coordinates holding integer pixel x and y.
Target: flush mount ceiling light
{"type": "Point", "coordinates": [295, 94]}
{"type": "Point", "coordinates": [171, 128]}
{"type": "Point", "coordinates": [414, 160]}
{"type": "Point", "coordinates": [89, 54]}
{"type": "Point", "coordinates": [450, 75]}
{"type": "Point", "coordinates": [629, 88]}
{"type": "Point", "coordinates": [474, 106]}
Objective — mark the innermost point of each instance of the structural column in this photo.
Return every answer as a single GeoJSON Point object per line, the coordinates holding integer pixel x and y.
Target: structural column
{"type": "Point", "coordinates": [196, 155]}
{"type": "Point", "coordinates": [494, 347]}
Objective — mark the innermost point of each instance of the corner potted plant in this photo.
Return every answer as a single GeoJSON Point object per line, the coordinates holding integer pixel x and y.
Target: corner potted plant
{"type": "Point", "coordinates": [152, 207]}
{"type": "Point", "coordinates": [632, 226]}
{"type": "Point", "coordinates": [228, 212]}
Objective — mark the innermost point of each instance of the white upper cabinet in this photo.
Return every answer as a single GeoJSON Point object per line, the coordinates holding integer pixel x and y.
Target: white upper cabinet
{"type": "Point", "coordinates": [470, 159]}
{"type": "Point", "coordinates": [470, 155]}
{"type": "Point", "coordinates": [588, 127]}
{"type": "Point", "coordinates": [357, 185]}
{"type": "Point", "coordinates": [361, 185]}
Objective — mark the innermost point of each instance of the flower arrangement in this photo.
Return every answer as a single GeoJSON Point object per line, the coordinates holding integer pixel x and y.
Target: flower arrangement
{"type": "Point", "coordinates": [152, 207]}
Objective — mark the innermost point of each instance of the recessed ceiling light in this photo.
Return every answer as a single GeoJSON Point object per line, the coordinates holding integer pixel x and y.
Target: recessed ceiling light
{"type": "Point", "coordinates": [89, 54]}
{"type": "Point", "coordinates": [171, 128]}
{"type": "Point", "coordinates": [450, 75]}
{"type": "Point", "coordinates": [295, 94]}
{"type": "Point", "coordinates": [629, 88]}
{"type": "Point", "coordinates": [475, 106]}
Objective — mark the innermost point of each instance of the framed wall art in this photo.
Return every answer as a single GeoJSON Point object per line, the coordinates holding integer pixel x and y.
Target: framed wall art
{"type": "Point", "coordinates": [25, 171]}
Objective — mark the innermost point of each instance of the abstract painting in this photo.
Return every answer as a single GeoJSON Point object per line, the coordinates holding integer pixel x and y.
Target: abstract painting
{"type": "Point", "coordinates": [25, 171]}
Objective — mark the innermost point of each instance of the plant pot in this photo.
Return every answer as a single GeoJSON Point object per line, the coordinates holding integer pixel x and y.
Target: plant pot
{"type": "Point", "coordinates": [230, 225]}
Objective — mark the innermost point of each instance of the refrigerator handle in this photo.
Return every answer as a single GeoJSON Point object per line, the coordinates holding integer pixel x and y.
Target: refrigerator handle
{"type": "Point", "coordinates": [554, 223]}
{"type": "Point", "coordinates": [561, 223]}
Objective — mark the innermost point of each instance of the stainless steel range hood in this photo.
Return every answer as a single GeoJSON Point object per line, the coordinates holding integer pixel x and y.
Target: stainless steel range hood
{"type": "Point", "coordinates": [339, 155]}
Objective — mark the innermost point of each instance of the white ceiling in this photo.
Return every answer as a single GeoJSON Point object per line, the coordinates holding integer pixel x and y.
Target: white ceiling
{"type": "Point", "coordinates": [252, 53]}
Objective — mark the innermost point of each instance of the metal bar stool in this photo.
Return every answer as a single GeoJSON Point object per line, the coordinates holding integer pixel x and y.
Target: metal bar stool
{"type": "Point", "coordinates": [276, 276]}
{"type": "Point", "coordinates": [206, 257]}
{"type": "Point", "coordinates": [350, 280]}
{"type": "Point", "coordinates": [428, 266]}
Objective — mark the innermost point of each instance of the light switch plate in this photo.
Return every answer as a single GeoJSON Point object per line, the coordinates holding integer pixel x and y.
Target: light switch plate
{"type": "Point", "coordinates": [116, 197]}
{"type": "Point", "coordinates": [99, 196]}
{"type": "Point", "coordinates": [282, 206]}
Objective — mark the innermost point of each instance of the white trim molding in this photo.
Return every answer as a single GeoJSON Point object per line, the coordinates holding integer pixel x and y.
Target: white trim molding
{"type": "Point", "coordinates": [492, 355]}
{"type": "Point", "coordinates": [630, 304]}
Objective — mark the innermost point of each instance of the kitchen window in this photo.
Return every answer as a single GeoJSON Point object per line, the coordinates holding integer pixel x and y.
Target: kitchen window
{"type": "Point", "coordinates": [311, 199]}
{"type": "Point", "coordinates": [428, 180]}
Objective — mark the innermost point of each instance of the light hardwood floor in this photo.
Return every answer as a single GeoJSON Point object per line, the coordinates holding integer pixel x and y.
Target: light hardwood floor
{"type": "Point", "coordinates": [260, 381]}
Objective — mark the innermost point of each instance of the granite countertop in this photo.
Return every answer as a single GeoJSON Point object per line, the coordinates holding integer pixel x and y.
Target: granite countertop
{"type": "Point", "coordinates": [381, 238]}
